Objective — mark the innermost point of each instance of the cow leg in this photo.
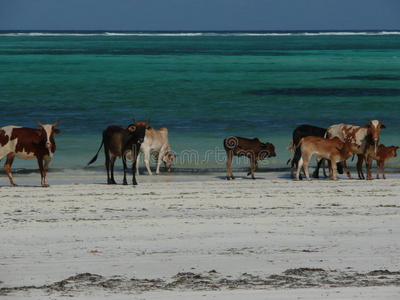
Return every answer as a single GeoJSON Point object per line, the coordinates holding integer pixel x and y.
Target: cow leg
{"type": "Point", "coordinates": [316, 171]}
{"type": "Point", "coordinates": [295, 161]}
{"type": "Point", "coordinates": [147, 162]}
{"type": "Point", "coordinates": [42, 172]}
{"type": "Point", "coordinates": [135, 152]}
{"type": "Point", "coordinates": [125, 167]}
{"type": "Point", "coordinates": [252, 167]}
{"type": "Point", "coordinates": [378, 164]}
{"type": "Point", "coordinates": [299, 165]}
{"type": "Point", "coordinates": [360, 160]}
{"type": "Point", "coordinates": [383, 170]}
{"type": "Point", "coordinates": [305, 167]}
{"type": "Point", "coordinates": [255, 168]}
{"type": "Point", "coordinates": [111, 179]}
{"type": "Point", "coordinates": [323, 166]}
{"type": "Point", "coordinates": [161, 156]}
{"type": "Point", "coordinates": [229, 174]}
{"type": "Point", "coordinates": [137, 165]}
{"type": "Point", "coordinates": [333, 170]}
{"type": "Point", "coordinates": [47, 161]}
{"type": "Point", "coordinates": [368, 161]}
{"type": "Point", "coordinates": [344, 164]}
{"type": "Point", "coordinates": [7, 167]}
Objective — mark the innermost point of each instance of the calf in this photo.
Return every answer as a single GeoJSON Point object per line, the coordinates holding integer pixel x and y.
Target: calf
{"type": "Point", "coordinates": [383, 155]}
{"type": "Point", "coordinates": [299, 133]}
{"type": "Point", "coordinates": [122, 142]}
{"type": "Point", "coordinates": [253, 149]}
{"type": "Point", "coordinates": [156, 143]}
{"type": "Point", "coordinates": [28, 143]}
{"type": "Point", "coordinates": [334, 150]}
{"type": "Point", "coordinates": [364, 142]}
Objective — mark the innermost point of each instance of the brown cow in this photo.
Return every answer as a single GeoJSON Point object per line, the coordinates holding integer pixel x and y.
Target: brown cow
{"type": "Point", "coordinates": [332, 149]}
{"type": "Point", "coordinates": [253, 149]}
{"type": "Point", "coordinates": [28, 143]}
{"type": "Point", "coordinates": [383, 155]}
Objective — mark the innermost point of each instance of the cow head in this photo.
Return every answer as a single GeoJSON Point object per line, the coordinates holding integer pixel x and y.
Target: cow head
{"type": "Point", "coordinates": [46, 133]}
{"type": "Point", "coordinates": [345, 150]}
{"type": "Point", "coordinates": [138, 129]}
{"type": "Point", "coordinates": [168, 158]}
{"type": "Point", "coordinates": [374, 129]}
{"type": "Point", "coordinates": [269, 150]}
{"type": "Point", "coordinates": [394, 149]}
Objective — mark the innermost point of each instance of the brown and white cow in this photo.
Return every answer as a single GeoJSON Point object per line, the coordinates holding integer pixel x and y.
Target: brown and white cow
{"type": "Point", "coordinates": [251, 148]}
{"type": "Point", "coordinates": [124, 143]}
{"type": "Point", "coordinates": [28, 143]}
{"type": "Point", "coordinates": [383, 155]}
{"type": "Point", "coordinates": [156, 143]}
{"type": "Point", "coordinates": [332, 149]}
{"type": "Point", "coordinates": [364, 141]}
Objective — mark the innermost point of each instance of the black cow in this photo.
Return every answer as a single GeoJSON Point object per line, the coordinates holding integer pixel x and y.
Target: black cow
{"type": "Point", "coordinates": [301, 132]}
{"type": "Point", "coordinates": [122, 142]}
{"type": "Point", "coordinates": [251, 148]}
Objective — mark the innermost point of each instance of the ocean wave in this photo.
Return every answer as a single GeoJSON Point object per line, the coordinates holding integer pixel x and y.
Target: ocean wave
{"type": "Point", "coordinates": [195, 34]}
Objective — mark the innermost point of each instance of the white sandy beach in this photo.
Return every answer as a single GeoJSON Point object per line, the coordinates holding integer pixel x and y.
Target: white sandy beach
{"type": "Point", "coordinates": [199, 237]}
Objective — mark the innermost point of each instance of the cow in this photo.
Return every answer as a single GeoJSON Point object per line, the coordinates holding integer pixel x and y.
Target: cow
{"type": "Point", "coordinates": [364, 141]}
{"type": "Point", "coordinates": [28, 143]}
{"type": "Point", "coordinates": [156, 143]}
{"type": "Point", "coordinates": [333, 149]}
{"type": "Point", "coordinates": [123, 143]}
{"type": "Point", "coordinates": [251, 148]}
{"type": "Point", "coordinates": [299, 133]}
{"type": "Point", "coordinates": [383, 155]}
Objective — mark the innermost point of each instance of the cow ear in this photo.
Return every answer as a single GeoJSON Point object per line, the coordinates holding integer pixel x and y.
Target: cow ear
{"type": "Point", "coordinates": [132, 128]}
{"type": "Point", "coordinates": [56, 131]}
{"type": "Point", "coordinates": [383, 126]}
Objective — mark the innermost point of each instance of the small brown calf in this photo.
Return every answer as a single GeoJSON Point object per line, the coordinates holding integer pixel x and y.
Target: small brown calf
{"type": "Point", "coordinates": [251, 148]}
{"type": "Point", "coordinates": [333, 149]}
{"type": "Point", "coordinates": [383, 155]}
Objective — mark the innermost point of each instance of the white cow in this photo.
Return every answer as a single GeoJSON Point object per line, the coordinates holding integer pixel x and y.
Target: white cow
{"type": "Point", "coordinates": [156, 143]}
{"type": "Point", "coordinates": [364, 141]}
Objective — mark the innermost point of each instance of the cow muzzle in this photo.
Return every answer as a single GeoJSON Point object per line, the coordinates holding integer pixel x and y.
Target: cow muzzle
{"type": "Point", "coordinates": [140, 141]}
{"type": "Point", "coordinates": [49, 145]}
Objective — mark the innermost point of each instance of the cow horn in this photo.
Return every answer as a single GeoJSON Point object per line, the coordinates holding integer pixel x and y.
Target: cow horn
{"type": "Point", "coordinates": [40, 124]}
{"type": "Point", "coordinates": [148, 121]}
{"type": "Point", "coordinates": [56, 123]}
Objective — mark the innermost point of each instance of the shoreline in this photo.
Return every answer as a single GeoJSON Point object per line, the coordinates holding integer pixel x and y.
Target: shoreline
{"type": "Point", "coordinates": [31, 178]}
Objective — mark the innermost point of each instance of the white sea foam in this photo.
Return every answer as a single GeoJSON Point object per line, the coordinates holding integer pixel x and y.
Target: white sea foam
{"type": "Point", "coordinates": [193, 34]}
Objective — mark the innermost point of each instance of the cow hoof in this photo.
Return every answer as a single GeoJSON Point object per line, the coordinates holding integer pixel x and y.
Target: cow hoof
{"type": "Point", "coordinates": [14, 185]}
{"type": "Point", "coordinates": [46, 185]}
{"type": "Point", "coordinates": [134, 183]}
{"type": "Point", "coordinates": [227, 178]}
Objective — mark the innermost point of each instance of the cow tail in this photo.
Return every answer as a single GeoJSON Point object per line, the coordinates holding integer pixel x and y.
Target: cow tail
{"type": "Point", "coordinates": [291, 151]}
{"type": "Point", "coordinates": [95, 157]}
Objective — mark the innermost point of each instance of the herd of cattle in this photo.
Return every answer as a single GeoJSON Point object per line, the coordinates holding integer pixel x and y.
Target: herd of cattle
{"type": "Point", "coordinates": [335, 144]}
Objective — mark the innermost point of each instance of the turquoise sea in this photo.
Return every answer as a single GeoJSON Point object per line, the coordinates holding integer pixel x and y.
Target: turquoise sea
{"type": "Point", "coordinates": [203, 86]}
